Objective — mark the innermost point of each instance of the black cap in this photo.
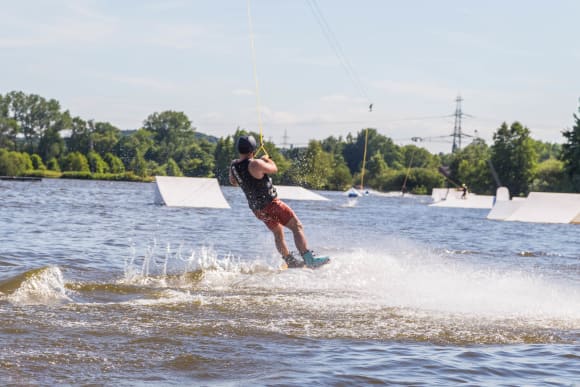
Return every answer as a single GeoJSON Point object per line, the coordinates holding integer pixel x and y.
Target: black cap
{"type": "Point", "coordinates": [246, 144]}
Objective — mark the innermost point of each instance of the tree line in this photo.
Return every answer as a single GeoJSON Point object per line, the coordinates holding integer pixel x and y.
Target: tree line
{"type": "Point", "coordinates": [39, 138]}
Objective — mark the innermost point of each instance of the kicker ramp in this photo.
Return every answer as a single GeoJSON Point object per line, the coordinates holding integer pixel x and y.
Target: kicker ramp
{"type": "Point", "coordinates": [503, 206]}
{"type": "Point", "coordinates": [297, 193]}
{"type": "Point", "coordinates": [196, 192]}
{"type": "Point", "coordinates": [503, 209]}
{"type": "Point", "coordinates": [546, 207]}
{"type": "Point", "coordinates": [451, 197]}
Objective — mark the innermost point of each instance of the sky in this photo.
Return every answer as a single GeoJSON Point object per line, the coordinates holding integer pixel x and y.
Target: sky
{"type": "Point", "coordinates": [319, 64]}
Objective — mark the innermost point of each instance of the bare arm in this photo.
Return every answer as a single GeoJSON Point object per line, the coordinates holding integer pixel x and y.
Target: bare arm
{"type": "Point", "coordinates": [259, 167]}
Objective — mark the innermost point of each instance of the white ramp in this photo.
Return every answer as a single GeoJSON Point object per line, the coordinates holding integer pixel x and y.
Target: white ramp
{"type": "Point", "coordinates": [198, 192]}
{"type": "Point", "coordinates": [503, 209]}
{"type": "Point", "coordinates": [443, 197]}
{"type": "Point", "coordinates": [297, 193]}
{"type": "Point", "coordinates": [439, 194]}
{"type": "Point", "coordinates": [503, 206]}
{"type": "Point", "coordinates": [546, 207]}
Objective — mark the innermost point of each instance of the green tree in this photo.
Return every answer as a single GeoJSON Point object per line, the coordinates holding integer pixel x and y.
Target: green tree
{"type": "Point", "coordinates": [53, 165]}
{"type": "Point", "coordinates": [96, 163]}
{"type": "Point", "coordinates": [354, 149]}
{"type": "Point", "coordinates": [37, 163]}
{"type": "Point", "coordinates": [413, 156]}
{"type": "Point", "coordinates": [34, 116]}
{"type": "Point", "coordinates": [129, 147]}
{"type": "Point", "coordinates": [14, 163]}
{"type": "Point", "coordinates": [375, 167]}
{"type": "Point", "coordinates": [571, 153]}
{"type": "Point", "coordinates": [80, 137]}
{"type": "Point", "coordinates": [172, 169]}
{"type": "Point", "coordinates": [550, 176]}
{"type": "Point", "coordinates": [514, 157]}
{"type": "Point", "coordinates": [139, 165]}
{"type": "Point", "coordinates": [104, 137]}
{"type": "Point", "coordinates": [51, 144]}
{"type": "Point", "coordinates": [317, 166]}
{"type": "Point", "coordinates": [8, 132]}
{"type": "Point", "coordinates": [8, 126]}
{"type": "Point", "coordinates": [341, 179]}
{"type": "Point", "coordinates": [470, 166]}
{"type": "Point", "coordinates": [546, 150]}
{"type": "Point", "coordinates": [172, 131]}
{"type": "Point", "coordinates": [198, 160]}
{"type": "Point", "coordinates": [223, 155]}
{"type": "Point", "coordinates": [75, 161]}
{"type": "Point", "coordinates": [115, 163]}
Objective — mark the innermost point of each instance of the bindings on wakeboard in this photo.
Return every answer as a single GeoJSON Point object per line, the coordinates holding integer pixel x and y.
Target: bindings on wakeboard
{"type": "Point", "coordinates": [309, 260]}
{"type": "Point", "coordinates": [314, 262]}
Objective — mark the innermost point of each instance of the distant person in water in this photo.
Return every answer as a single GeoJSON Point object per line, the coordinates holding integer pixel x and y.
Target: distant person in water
{"type": "Point", "coordinates": [252, 176]}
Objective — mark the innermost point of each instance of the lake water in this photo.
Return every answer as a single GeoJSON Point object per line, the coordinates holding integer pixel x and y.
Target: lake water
{"type": "Point", "coordinates": [100, 286]}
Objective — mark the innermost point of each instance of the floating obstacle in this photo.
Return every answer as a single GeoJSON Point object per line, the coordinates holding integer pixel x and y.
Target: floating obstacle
{"type": "Point", "coordinates": [297, 193]}
{"type": "Point", "coordinates": [196, 192]}
{"type": "Point", "coordinates": [546, 207]}
{"type": "Point", "coordinates": [451, 197]}
{"type": "Point", "coordinates": [201, 192]}
{"type": "Point", "coordinates": [538, 207]}
{"type": "Point", "coordinates": [504, 207]}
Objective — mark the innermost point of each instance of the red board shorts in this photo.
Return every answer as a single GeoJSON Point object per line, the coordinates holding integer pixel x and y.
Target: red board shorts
{"type": "Point", "coordinates": [275, 213]}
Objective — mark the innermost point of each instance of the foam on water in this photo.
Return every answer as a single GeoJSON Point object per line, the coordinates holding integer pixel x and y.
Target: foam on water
{"type": "Point", "coordinates": [44, 286]}
{"type": "Point", "coordinates": [394, 278]}
{"type": "Point", "coordinates": [418, 278]}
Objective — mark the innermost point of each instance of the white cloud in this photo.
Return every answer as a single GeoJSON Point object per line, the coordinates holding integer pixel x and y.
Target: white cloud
{"type": "Point", "coordinates": [77, 22]}
{"type": "Point", "coordinates": [337, 98]}
{"type": "Point", "coordinates": [166, 5]}
{"type": "Point", "coordinates": [180, 36]}
{"type": "Point", "coordinates": [87, 10]}
{"type": "Point", "coordinates": [152, 84]}
{"type": "Point", "coordinates": [423, 89]}
{"type": "Point", "coordinates": [242, 92]}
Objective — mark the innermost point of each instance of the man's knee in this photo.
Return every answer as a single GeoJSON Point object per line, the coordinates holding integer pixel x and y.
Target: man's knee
{"type": "Point", "coordinates": [278, 231]}
{"type": "Point", "coordinates": [294, 224]}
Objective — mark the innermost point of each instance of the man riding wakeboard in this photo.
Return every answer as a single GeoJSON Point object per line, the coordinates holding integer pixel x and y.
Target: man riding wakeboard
{"type": "Point", "coordinates": [251, 175]}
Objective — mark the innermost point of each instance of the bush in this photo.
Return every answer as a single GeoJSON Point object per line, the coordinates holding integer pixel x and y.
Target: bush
{"type": "Point", "coordinates": [14, 163]}
{"type": "Point", "coordinates": [53, 165]}
{"type": "Point", "coordinates": [77, 175]}
{"type": "Point", "coordinates": [75, 162]}
{"type": "Point", "coordinates": [37, 163]}
{"type": "Point", "coordinates": [127, 176]}
{"type": "Point", "coordinates": [115, 163]}
{"type": "Point", "coordinates": [42, 173]}
{"type": "Point", "coordinates": [96, 163]}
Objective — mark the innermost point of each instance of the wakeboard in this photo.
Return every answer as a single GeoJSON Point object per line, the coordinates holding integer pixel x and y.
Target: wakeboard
{"type": "Point", "coordinates": [321, 261]}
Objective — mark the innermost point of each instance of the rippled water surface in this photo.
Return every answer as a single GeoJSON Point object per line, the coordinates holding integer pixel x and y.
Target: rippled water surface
{"type": "Point", "coordinates": [99, 285]}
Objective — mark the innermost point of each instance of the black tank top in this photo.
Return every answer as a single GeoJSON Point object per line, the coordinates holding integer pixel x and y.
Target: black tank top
{"type": "Point", "coordinates": [259, 192]}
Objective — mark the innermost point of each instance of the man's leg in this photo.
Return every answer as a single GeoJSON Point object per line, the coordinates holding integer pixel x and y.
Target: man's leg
{"type": "Point", "coordinates": [278, 232]}
{"type": "Point", "coordinates": [301, 244]}
{"type": "Point", "coordinates": [298, 232]}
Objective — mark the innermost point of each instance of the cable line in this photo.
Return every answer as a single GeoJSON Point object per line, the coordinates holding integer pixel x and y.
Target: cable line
{"type": "Point", "coordinates": [258, 105]}
{"type": "Point", "coordinates": [362, 171]}
{"type": "Point", "coordinates": [337, 48]}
